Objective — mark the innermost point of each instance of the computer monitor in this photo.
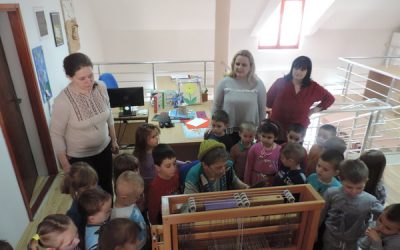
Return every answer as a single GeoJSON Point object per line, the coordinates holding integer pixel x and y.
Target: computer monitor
{"type": "Point", "coordinates": [126, 98]}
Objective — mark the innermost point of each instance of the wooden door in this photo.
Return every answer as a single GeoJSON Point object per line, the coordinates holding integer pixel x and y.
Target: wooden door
{"type": "Point", "coordinates": [14, 130]}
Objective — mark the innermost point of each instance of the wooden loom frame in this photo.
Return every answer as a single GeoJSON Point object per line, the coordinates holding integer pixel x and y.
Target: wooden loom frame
{"type": "Point", "coordinates": [309, 205]}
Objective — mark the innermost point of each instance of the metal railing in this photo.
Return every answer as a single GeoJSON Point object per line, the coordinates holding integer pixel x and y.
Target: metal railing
{"type": "Point", "coordinates": [145, 73]}
{"type": "Point", "coordinates": [367, 113]}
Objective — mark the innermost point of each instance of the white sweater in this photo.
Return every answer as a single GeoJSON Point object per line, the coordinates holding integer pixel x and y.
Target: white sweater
{"type": "Point", "coordinates": [79, 123]}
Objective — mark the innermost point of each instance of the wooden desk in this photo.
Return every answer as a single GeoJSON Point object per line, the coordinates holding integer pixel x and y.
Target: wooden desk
{"type": "Point", "coordinates": [185, 148]}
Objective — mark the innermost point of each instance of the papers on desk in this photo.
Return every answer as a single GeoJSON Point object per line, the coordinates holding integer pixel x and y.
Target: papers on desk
{"type": "Point", "coordinates": [193, 133]}
{"type": "Point", "coordinates": [198, 123]}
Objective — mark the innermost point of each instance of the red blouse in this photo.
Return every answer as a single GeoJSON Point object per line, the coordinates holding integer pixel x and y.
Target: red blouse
{"type": "Point", "coordinates": [289, 108]}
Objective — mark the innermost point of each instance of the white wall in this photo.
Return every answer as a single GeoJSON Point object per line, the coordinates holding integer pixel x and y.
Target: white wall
{"type": "Point", "coordinates": [13, 216]}
{"type": "Point", "coordinates": [91, 43]}
{"type": "Point", "coordinates": [323, 47]}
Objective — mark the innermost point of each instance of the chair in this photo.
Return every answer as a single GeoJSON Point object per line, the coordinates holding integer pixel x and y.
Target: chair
{"type": "Point", "coordinates": [109, 80]}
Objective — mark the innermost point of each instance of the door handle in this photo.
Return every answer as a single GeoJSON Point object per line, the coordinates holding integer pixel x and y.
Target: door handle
{"type": "Point", "coordinates": [17, 100]}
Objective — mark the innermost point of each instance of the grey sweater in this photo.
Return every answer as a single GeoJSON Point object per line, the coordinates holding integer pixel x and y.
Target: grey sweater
{"type": "Point", "coordinates": [243, 101]}
{"type": "Point", "coordinates": [79, 123]}
{"type": "Point", "coordinates": [346, 218]}
{"type": "Point", "coordinates": [387, 242]}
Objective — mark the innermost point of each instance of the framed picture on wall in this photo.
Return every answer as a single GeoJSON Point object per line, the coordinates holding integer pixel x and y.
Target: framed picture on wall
{"type": "Point", "coordinates": [41, 22]}
{"type": "Point", "coordinates": [57, 28]}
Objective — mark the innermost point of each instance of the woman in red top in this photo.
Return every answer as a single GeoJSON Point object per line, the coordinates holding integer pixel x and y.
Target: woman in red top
{"type": "Point", "coordinates": [292, 96]}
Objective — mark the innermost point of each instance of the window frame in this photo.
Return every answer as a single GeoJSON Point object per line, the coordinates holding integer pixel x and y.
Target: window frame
{"type": "Point", "coordinates": [282, 12]}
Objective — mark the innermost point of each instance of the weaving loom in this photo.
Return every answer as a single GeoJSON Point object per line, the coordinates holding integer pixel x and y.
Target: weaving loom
{"type": "Point", "coordinates": [262, 218]}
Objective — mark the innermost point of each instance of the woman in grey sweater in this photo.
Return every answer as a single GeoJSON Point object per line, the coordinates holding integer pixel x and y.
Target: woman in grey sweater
{"type": "Point", "coordinates": [241, 94]}
{"type": "Point", "coordinates": [82, 125]}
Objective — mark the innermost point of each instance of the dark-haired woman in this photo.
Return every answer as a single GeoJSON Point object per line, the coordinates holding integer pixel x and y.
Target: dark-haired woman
{"type": "Point", "coordinates": [290, 98]}
{"type": "Point", "coordinates": [82, 125]}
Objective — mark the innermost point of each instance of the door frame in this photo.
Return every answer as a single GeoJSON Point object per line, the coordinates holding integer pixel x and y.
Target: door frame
{"type": "Point", "coordinates": [21, 42]}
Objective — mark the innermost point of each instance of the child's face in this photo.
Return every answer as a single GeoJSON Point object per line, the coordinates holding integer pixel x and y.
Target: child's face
{"type": "Point", "coordinates": [218, 128]}
{"type": "Point", "coordinates": [267, 139]}
{"type": "Point", "coordinates": [323, 136]}
{"type": "Point", "coordinates": [153, 138]}
{"type": "Point", "coordinates": [353, 189]}
{"type": "Point", "coordinates": [289, 163]}
{"type": "Point", "coordinates": [216, 170]}
{"type": "Point", "coordinates": [326, 171]}
{"type": "Point", "coordinates": [294, 137]}
{"type": "Point", "coordinates": [247, 137]}
{"type": "Point", "coordinates": [167, 169]}
{"type": "Point", "coordinates": [101, 216]}
{"type": "Point", "coordinates": [387, 227]}
{"type": "Point", "coordinates": [67, 240]}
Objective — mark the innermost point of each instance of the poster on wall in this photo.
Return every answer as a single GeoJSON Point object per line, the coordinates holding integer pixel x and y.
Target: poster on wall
{"type": "Point", "coordinates": [41, 72]}
{"type": "Point", "coordinates": [71, 26]}
{"type": "Point", "coordinates": [57, 30]}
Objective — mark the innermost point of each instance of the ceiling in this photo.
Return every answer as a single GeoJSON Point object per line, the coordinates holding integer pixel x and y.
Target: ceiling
{"type": "Point", "coordinates": [245, 14]}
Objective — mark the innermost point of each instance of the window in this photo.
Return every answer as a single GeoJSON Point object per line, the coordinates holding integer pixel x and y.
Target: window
{"type": "Point", "coordinates": [283, 27]}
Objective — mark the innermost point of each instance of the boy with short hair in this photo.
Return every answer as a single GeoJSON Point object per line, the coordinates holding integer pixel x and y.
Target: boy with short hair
{"type": "Point", "coordinates": [296, 133]}
{"type": "Point", "coordinates": [214, 172]}
{"type": "Point", "coordinates": [129, 189]}
{"type": "Point", "coordinates": [219, 124]}
{"type": "Point", "coordinates": [325, 132]}
{"type": "Point", "coordinates": [327, 170]}
{"type": "Point", "coordinates": [290, 172]}
{"type": "Point", "coordinates": [95, 206]}
{"type": "Point", "coordinates": [348, 208]}
{"type": "Point", "coordinates": [384, 233]}
{"type": "Point", "coordinates": [336, 143]}
{"type": "Point", "coordinates": [165, 183]}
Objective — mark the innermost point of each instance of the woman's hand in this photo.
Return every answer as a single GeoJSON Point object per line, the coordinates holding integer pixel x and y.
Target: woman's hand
{"type": "Point", "coordinates": [314, 110]}
{"type": "Point", "coordinates": [64, 162]}
{"type": "Point", "coordinates": [114, 147]}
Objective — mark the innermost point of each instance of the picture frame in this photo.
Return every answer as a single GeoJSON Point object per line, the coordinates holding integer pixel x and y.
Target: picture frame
{"type": "Point", "coordinates": [190, 90]}
{"type": "Point", "coordinates": [41, 72]}
{"type": "Point", "coordinates": [41, 22]}
{"type": "Point", "coordinates": [57, 28]}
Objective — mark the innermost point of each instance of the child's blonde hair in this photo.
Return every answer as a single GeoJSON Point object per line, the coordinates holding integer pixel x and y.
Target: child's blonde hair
{"type": "Point", "coordinates": [52, 224]}
{"type": "Point", "coordinates": [248, 126]}
{"type": "Point", "coordinates": [131, 178]}
{"type": "Point", "coordinates": [80, 177]}
{"type": "Point", "coordinates": [142, 133]}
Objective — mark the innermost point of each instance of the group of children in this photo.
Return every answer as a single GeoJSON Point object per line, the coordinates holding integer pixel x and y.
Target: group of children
{"type": "Point", "coordinates": [353, 189]}
{"type": "Point", "coordinates": [96, 221]}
